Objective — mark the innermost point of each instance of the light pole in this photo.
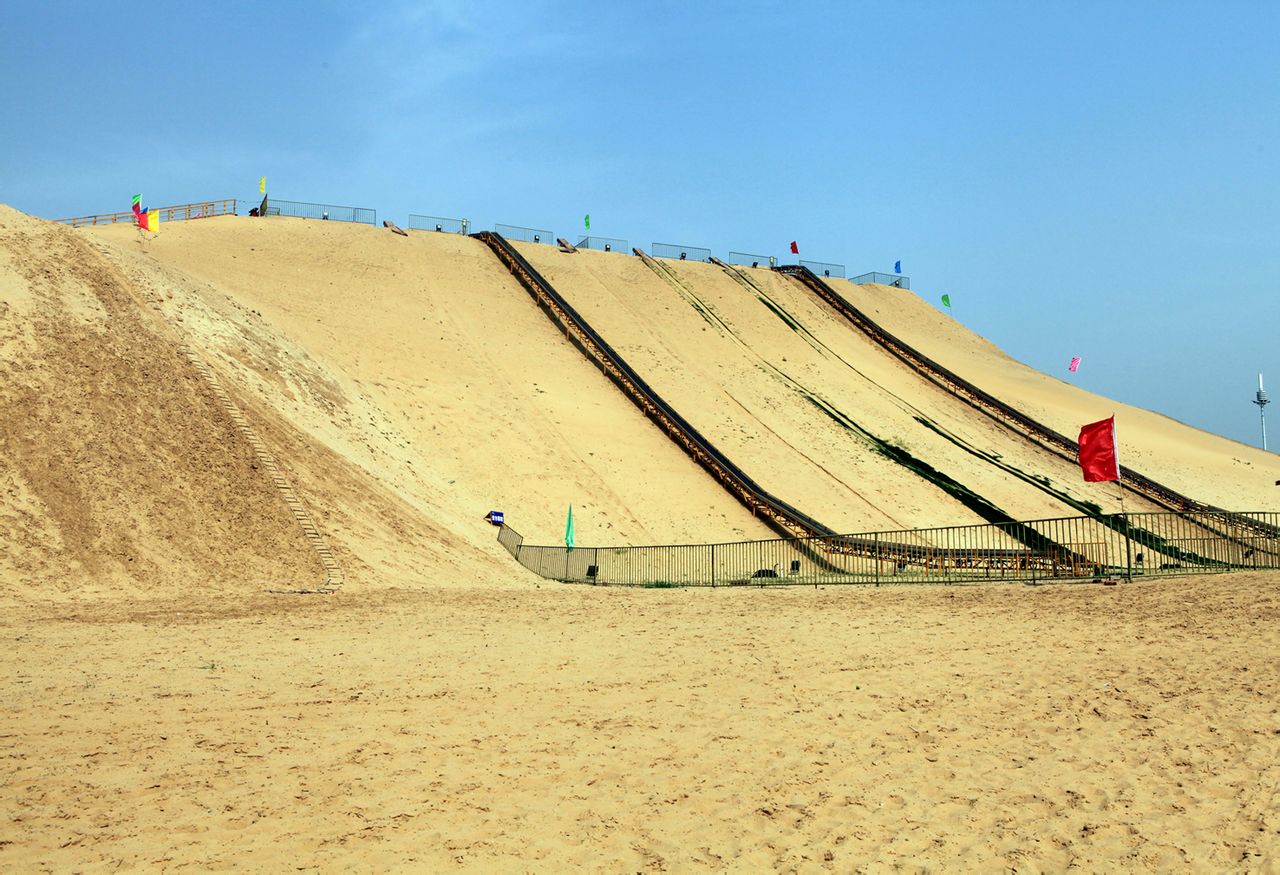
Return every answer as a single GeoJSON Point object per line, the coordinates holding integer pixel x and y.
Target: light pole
{"type": "Point", "coordinates": [1262, 401]}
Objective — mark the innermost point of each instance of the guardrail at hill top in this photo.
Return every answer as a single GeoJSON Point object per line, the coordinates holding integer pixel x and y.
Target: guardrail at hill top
{"type": "Point", "coordinates": [331, 212]}
{"type": "Point", "coordinates": [897, 280]}
{"type": "Point", "coordinates": [180, 212]}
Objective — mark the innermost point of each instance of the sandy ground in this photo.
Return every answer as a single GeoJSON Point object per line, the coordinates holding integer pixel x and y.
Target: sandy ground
{"type": "Point", "coordinates": [543, 729]}
{"type": "Point", "coordinates": [445, 709]}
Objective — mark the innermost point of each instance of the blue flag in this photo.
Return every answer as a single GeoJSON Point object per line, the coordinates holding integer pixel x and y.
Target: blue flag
{"type": "Point", "coordinates": [897, 266]}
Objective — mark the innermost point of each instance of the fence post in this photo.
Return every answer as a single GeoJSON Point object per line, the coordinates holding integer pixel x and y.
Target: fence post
{"type": "Point", "coordinates": [713, 565]}
{"type": "Point", "coordinates": [1128, 550]}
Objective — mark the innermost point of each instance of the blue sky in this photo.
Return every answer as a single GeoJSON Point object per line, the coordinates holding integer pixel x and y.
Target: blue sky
{"type": "Point", "coordinates": [1092, 179]}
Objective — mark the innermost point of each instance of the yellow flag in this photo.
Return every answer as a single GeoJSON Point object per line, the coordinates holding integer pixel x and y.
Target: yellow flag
{"type": "Point", "coordinates": [153, 220]}
{"type": "Point", "coordinates": [262, 185]}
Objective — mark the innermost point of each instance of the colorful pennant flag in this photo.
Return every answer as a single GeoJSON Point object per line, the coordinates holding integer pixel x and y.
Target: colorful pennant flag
{"type": "Point", "coordinates": [1075, 364]}
{"type": "Point", "coordinates": [1099, 456]}
{"type": "Point", "coordinates": [586, 220]}
{"type": "Point", "coordinates": [897, 266]}
{"type": "Point", "coordinates": [262, 185]}
{"type": "Point", "coordinates": [795, 250]}
{"type": "Point", "coordinates": [946, 301]}
{"type": "Point", "coordinates": [568, 530]}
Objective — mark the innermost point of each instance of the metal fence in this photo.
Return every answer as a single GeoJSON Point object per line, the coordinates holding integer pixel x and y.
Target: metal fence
{"type": "Point", "coordinates": [885, 279]}
{"type": "Point", "coordinates": [823, 268]}
{"type": "Point", "coordinates": [528, 235]}
{"type": "Point", "coordinates": [332, 212]}
{"type": "Point", "coordinates": [180, 212]}
{"type": "Point", "coordinates": [1070, 548]}
{"type": "Point", "coordinates": [680, 253]}
{"type": "Point", "coordinates": [746, 259]}
{"type": "Point", "coordinates": [439, 223]}
{"type": "Point", "coordinates": [604, 244]}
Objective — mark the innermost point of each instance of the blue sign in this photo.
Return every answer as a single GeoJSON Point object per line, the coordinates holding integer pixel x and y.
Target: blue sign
{"type": "Point", "coordinates": [494, 517]}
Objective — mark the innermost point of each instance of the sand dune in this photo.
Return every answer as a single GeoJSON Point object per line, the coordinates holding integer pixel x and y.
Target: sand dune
{"type": "Point", "coordinates": [408, 385]}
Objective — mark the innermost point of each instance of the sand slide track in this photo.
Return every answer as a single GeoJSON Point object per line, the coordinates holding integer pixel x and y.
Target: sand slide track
{"type": "Point", "coordinates": [997, 410]}
{"type": "Point", "coordinates": [780, 516]}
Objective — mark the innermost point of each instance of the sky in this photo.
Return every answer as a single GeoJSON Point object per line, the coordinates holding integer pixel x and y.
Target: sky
{"type": "Point", "coordinates": [1082, 179]}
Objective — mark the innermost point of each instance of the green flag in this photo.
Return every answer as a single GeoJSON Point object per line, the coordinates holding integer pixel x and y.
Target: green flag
{"type": "Point", "coordinates": [568, 530]}
{"type": "Point", "coordinates": [137, 198]}
{"type": "Point", "coordinates": [586, 220]}
{"type": "Point", "coordinates": [946, 301]}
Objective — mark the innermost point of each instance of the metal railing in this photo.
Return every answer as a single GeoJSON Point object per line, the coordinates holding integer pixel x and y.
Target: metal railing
{"type": "Point", "coordinates": [1077, 548]}
{"type": "Point", "coordinates": [527, 235]}
{"type": "Point", "coordinates": [328, 212]}
{"type": "Point", "coordinates": [439, 223]}
{"type": "Point", "coordinates": [746, 259]}
{"type": "Point", "coordinates": [824, 268]}
{"type": "Point", "coordinates": [681, 253]}
{"type": "Point", "coordinates": [896, 280]}
{"type": "Point", "coordinates": [604, 244]}
{"type": "Point", "coordinates": [180, 212]}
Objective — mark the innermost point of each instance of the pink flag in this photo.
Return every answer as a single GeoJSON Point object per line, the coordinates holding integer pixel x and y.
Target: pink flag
{"type": "Point", "coordinates": [1075, 365]}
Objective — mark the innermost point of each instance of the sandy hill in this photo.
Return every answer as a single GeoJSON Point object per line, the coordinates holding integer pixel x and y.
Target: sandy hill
{"type": "Point", "coordinates": [405, 386]}
{"type": "Point", "coordinates": [787, 389]}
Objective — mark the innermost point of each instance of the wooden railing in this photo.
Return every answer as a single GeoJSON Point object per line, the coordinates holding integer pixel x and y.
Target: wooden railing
{"type": "Point", "coordinates": [200, 210]}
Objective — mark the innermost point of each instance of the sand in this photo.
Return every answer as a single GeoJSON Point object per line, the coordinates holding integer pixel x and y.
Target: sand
{"type": "Point", "coordinates": [446, 709]}
{"type": "Point", "coordinates": [556, 728]}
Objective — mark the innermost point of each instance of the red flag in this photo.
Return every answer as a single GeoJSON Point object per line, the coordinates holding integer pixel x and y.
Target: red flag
{"type": "Point", "coordinates": [1099, 458]}
{"type": "Point", "coordinates": [795, 250]}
